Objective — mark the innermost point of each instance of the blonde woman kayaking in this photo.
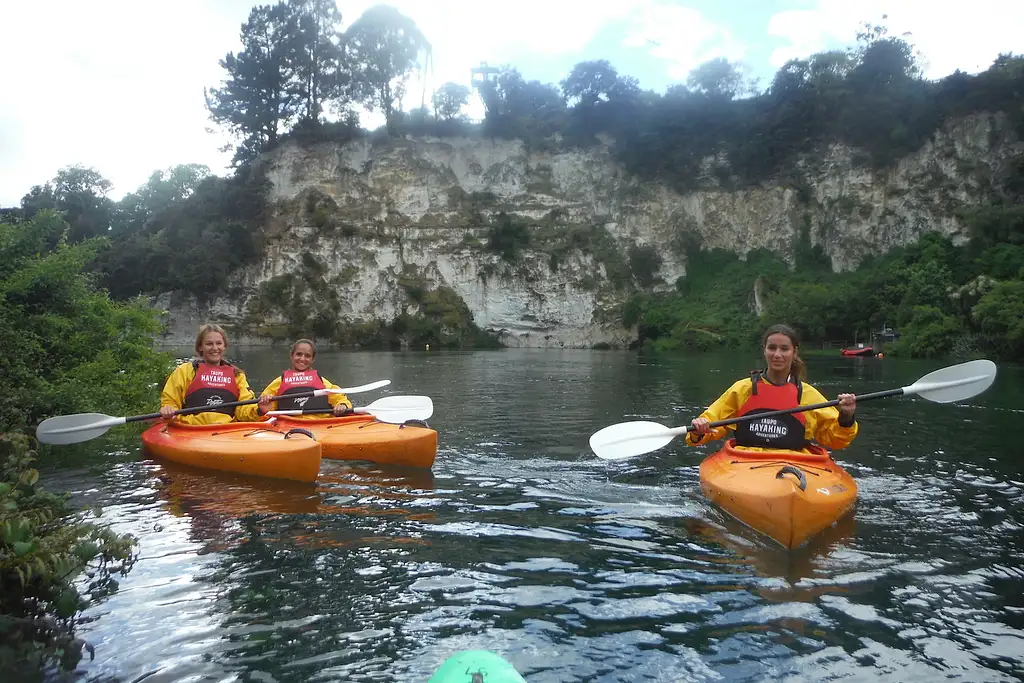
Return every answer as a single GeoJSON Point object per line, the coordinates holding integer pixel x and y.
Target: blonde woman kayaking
{"type": "Point", "coordinates": [301, 377]}
{"type": "Point", "coordinates": [210, 381]}
{"type": "Point", "coordinates": [779, 386]}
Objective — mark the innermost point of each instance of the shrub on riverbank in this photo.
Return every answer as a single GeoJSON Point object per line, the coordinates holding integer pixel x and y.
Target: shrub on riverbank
{"type": "Point", "coordinates": [68, 348]}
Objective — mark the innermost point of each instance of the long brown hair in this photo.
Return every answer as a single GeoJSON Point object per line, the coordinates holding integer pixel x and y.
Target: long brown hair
{"type": "Point", "coordinates": [205, 330]}
{"type": "Point", "coordinates": [799, 367]}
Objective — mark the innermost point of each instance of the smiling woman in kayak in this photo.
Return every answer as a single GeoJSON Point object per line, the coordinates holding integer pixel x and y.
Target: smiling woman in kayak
{"type": "Point", "coordinates": [779, 386]}
{"type": "Point", "coordinates": [208, 381]}
{"type": "Point", "coordinates": [301, 377]}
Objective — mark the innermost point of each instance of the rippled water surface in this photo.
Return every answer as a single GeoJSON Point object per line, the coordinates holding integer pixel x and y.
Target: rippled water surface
{"type": "Point", "coordinates": [575, 569]}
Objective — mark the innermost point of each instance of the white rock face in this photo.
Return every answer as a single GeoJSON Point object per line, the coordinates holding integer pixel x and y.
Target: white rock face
{"type": "Point", "coordinates": [406, 207]}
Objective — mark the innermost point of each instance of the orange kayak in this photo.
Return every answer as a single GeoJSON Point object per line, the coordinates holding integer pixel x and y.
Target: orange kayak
{"type": "Point", "coordinates": [787, 496]}
{"type": "Point", "coordinates": [362, 437]}
{"type": "Point", "coordinates": [243, 447]}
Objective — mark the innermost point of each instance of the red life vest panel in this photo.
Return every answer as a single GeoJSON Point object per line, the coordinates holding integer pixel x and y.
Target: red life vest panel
{"type": "Point", "coordinates": [293, 382]}
{"type": "Point", "coordinates": [785, 432]}
{"type": "Point", "coordinates": [212, 386]}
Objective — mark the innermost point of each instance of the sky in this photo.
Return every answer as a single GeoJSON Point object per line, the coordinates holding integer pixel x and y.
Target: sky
{"type": "Point", "coordinates": [117, 85]}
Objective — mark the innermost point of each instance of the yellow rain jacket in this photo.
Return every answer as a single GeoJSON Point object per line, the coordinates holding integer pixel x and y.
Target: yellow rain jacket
{"type": "Point", "coordinates": [822, 424]}
{"type": "Point", "coordinates": [174, 395]}
{"type": "Point", "coordinates": [333, 399]}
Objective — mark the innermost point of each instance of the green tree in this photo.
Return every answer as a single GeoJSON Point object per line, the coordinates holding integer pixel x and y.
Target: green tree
{"type": "Point", "coordinates": [319, 74]}
{"type": "Point", "coordinates": [76, 351]}
{"type": "Point", "coordinates": [1000, 314]}
{"type": "Point", "coordinates": [258, 98]}
{"type": "Point", "coordinates": [590, 83]}
{"type": "Point", "coordinates": [449, 100]}
{"type": "Point", "coordinates": [81, 195]}
{"type": "Point", "coordinates": [719, 77]}
{"type": "Point", "coordinates": [159, 193]}
{"type": "Point", "coordinates": [383, 48]}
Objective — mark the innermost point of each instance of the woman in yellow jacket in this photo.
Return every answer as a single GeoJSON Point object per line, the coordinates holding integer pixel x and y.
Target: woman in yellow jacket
{"type": "Point", "coordinates": [779, 386]}
{"type": "Point", "coordinates": [208, 381]}
{"type": "Point", "coordinates": [301, 377]}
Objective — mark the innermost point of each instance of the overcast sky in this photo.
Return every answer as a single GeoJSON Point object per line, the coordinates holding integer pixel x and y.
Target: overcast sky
{"type": "Point", "coordinates": [118, 85]}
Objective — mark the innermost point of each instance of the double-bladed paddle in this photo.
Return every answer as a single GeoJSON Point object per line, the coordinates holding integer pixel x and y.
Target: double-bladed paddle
{"type": "Point", "coordinates": [68, 429]}
{"type": "Point", "coordinates": [946, 385]}
{"type": "Point", "coordinates": [393, 409]}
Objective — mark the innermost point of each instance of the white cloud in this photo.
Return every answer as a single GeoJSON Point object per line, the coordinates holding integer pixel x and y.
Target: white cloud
{"type": "Point", "coordinates": [112, 85]}
{"type": "Point", "coordinates": [682, 36]}
{"type": "Point", "coordinates": [967, 37]}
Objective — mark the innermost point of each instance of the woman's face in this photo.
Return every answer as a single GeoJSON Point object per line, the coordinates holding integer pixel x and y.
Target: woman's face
{"type": "Point", "coordinates": [779, 351]}
{"type": "Point", "coordinates": [302, 357]}
{"type": "Point", "coordinates": [212, 348]}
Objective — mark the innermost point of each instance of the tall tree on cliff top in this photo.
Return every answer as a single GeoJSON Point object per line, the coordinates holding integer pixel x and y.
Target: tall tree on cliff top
{"type": "Point", "coordinates": [513, 96]}
{"type": "Point", "coordinates": [449, 100]}
{"type": "Point", "coordinates": [590, 83]}
{"type": "Point", "coordinates": [719, 77]}
{"type": "Point", "coordinates": [319, 75]}
{"type": "Point", "coordinates": [258, 96]}
{"type": "Point", "coordinates": [383, 48]}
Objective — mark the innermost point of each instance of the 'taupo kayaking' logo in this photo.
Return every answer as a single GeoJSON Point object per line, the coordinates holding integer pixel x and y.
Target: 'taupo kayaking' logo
{"type": "Point", "coordinates": [214, 401]}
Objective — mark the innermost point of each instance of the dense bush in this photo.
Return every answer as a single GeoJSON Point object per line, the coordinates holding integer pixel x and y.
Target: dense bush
{"type": "Point", "coordinates": [69, 349]}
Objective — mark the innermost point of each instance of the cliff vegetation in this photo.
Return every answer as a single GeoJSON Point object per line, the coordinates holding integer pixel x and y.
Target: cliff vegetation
{"type": "Point", "coordinates": [300, 75]}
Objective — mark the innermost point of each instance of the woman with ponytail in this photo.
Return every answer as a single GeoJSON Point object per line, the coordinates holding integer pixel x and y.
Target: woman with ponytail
{"type": "Point", "coordinates": [301, 378]}
{"type": "Point", "coordinates": [779, 386]}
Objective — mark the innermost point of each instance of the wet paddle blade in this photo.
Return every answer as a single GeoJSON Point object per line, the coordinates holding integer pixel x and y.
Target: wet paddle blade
{"type": "Point", "coordinates": [629, 439]}
{"type": "Point", "coordinates": [398, 409]}
{"type": "Point", "coordinates": [67, 429]}
{"type": "Point", "coordinates": [955, 383]}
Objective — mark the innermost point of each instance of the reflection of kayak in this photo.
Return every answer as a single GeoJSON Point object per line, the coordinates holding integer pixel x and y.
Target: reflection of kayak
{"type": "Point", "coordinates": [476, 666]}
{"type": "Point", "coordinates": [764, 557]}
{"type": "Point", "coordinates": [362, 437]}
{"type": "Point", "coordinates": [243, 447]}
{"type": "Point", "coordinates": [217, 504]}
{"type": "Point", "coordinates": [787, 496]}
{"type": "Point", "coordinates": [194, 491]}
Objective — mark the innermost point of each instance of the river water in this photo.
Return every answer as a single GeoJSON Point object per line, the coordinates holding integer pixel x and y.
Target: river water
{"type": "Point", "coordinates": [575, 569]}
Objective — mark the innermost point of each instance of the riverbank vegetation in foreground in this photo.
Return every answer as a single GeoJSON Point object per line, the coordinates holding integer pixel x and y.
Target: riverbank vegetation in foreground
{"type": "Point", "coordinates": [68, 348]}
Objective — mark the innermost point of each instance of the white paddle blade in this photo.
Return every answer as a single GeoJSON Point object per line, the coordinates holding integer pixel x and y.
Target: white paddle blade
{"type": "Point", "coordinates": [629, 439]}
{"type": "Point", "coordinates": [398, 409]}
{"type": "Point", "coordinates": [955, 383]}
{"type": "Point", "coordinates": [363, 388]}
{"type": "Point", "coordinates": [67, 429]}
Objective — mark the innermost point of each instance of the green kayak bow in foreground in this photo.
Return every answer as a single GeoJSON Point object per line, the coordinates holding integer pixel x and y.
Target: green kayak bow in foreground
{"type": "Point", "coordinates": [476, 666]}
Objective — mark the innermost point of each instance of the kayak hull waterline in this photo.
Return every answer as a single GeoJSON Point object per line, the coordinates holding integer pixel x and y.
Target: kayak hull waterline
{"type": "Point", "coordinates": [242, 447]}
{"type": "Point", "coordinates": [292, 448]}
{"type": "Point", "coordinates": [788, 496]}
{"type": "Point", "coordinates": [476, 666]}
{"type": "Point", "coordinates": [362, 437]}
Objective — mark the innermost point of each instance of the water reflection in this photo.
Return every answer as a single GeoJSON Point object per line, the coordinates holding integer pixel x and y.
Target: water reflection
{"type": "Point", "coordinates": [576, 569]}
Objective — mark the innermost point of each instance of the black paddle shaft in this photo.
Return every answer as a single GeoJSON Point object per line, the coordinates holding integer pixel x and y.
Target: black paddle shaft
{"type": "Point", "coordinates": [203, 409]}
{"type": "Point", "coordinates": [800, 409]}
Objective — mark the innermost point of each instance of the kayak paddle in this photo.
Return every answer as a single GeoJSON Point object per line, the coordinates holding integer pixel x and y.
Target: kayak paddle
{"type": "Point", "coordinates": [67, 429]}
{"type": "Point", "coordinates": [946, 385]}
{"type": "Point", "coordinates": [393, 409]}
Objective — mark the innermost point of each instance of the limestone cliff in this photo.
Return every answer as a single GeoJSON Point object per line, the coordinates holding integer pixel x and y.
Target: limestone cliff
{"type": "Point", "coordinates": [543, 247]}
